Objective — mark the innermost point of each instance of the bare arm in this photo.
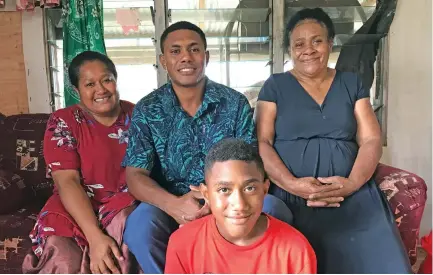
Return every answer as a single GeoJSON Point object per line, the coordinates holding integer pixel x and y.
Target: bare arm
{"type": "Point", "coordinates": [369, 141]}
{"type": "Point", "coordinates": [266, 113]}
{"type": "Point", "coordinates": [76, 202]}
{"type": "Point", "coordinates": [139, 161]}
{"type": "Point", "coordinates": [183, 209]}
{"type": "Point", "coordinates": [145, 189]}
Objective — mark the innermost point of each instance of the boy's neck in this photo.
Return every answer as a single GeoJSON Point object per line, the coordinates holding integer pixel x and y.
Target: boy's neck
{"type": "Point", "coordinates": [256, 233]}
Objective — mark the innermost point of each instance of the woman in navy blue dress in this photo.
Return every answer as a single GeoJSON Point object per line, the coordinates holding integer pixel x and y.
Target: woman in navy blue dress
{"type": "Point", "coordinates": [321, 143]}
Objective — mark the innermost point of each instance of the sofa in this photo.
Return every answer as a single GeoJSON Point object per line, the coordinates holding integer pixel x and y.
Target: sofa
{"type": "Point", "coordinates": [24, 188]}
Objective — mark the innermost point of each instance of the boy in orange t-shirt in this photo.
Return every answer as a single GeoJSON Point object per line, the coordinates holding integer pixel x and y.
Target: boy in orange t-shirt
{"type": "Point", "coordinates": [237, 237]}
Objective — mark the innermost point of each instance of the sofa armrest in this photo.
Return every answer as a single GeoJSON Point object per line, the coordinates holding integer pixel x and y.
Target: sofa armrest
{"type": "Point", "coordinates": [407, 195]}
{"type": "Point", "coordinates": [401, 187]}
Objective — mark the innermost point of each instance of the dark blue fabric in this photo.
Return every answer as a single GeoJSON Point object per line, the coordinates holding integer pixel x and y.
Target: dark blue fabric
{"type": "Point", "coordinates": [148, 230]}
{"type": "Point", "coordinates": [313, 140]}
{"type": "Point", "coordinates": [320, 141]}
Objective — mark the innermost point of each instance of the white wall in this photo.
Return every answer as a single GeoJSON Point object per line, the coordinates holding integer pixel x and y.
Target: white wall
{"type": "Point", "coordinates": [410, 94]}
{"type": "Point", "coordinates": [34, 49]}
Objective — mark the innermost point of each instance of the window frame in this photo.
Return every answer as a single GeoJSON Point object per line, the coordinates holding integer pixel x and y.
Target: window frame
{"type": "Point", "coordinates": [161, 17]}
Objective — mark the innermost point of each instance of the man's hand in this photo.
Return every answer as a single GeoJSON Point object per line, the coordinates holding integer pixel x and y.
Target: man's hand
{"type": "Point", "coordinates": [102, 251]}
{"type": "Point", "coordinates": [204, 210]}
{"type": "Point", "coordinates": [188, 207]}
{"type": "Point", "coordinates": [333, 197]}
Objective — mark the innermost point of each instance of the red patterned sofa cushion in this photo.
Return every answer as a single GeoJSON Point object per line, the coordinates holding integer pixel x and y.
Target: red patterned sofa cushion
{"type": "Point", "coordinates": [14, 239]}
{"type": "Point", "coordinates": [407, 195]}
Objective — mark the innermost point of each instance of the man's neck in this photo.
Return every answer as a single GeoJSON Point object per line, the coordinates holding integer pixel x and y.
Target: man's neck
{"type": "Point", "coordinates": [190, 98]}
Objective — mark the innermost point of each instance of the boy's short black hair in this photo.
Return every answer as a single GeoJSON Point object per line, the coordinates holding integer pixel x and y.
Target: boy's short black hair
{"type": "Point", "coordinates": [316, 14]}
{"type": "Point", "coordinates": [233, 149]}
{"type": "Point", "coordinates": [181, 25]}
{"type": "Point", "coordinates": [86, 56]}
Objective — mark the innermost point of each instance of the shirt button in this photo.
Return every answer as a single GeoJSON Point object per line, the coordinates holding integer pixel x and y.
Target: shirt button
{"type": "Point", "coordinates": [324, 117]}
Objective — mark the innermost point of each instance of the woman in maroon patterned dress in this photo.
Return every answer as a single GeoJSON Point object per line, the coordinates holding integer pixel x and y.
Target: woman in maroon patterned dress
{"type": "Point", "coordinates": [80, 228]}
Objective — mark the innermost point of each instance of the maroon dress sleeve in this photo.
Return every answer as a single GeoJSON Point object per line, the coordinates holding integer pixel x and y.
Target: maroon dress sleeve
{"type": "Point", "coordinates": [60, 145]}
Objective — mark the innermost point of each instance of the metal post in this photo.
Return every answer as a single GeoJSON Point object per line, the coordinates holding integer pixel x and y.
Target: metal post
{"type": "Point", "coordinates": [161, 23]}
{"type": "Point", "coordinates": [277, 36]}
{"type": "Point", "coordinates": [50, 29]}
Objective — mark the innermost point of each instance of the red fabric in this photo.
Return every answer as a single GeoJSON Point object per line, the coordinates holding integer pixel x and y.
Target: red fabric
{"type": "Point", "coordinates": [74, 140]}
{"type": "Point", "coordinates": [198, 248]}
{"type": "Point", "coordinates": [426, 243]}
{"type": "Point", "coordinates": [407, 195]}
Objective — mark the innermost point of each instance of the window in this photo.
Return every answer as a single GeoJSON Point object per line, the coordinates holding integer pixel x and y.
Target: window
{"type": "Point", "coordinates": [130, 47]}
{"type": "Point", "coordinates": [244, 40]}
{"type": "Point", "coordinates": [55, 58]}
{"type": "Point", "coordinates": [238, 36]}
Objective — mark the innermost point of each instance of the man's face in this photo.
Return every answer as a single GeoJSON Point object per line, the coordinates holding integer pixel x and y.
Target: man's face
{"type": "Point", "coordinates": [185, 58]}
{"type": "Point", "coordinates": [235, 191]}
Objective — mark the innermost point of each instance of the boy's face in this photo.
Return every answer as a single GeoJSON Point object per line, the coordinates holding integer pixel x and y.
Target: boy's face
{"type": "Point", "coordinates": [235, 191]}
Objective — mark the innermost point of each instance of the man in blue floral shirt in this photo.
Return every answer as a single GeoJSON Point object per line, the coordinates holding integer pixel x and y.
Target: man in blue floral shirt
{"type": "Point", "coordinates": [171, 132]}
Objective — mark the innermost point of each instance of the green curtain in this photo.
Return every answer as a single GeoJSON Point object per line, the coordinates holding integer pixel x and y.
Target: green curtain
{"type": "Point", "coordinates": [83, 30]}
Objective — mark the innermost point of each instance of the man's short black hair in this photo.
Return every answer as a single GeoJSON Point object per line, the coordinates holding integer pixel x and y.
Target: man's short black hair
{"type": "Point", "coordinates": [182, 25]}
{"type": "Point", "coordinates": [233, 149]}
{"type": "Point", "coordinates": [316, 14]}
{"type": "Point", "coordinates": [86, 56]}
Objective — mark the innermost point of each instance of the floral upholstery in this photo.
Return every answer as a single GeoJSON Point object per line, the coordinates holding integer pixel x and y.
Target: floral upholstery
{"type": "Point", "coordinates": [407, 195]}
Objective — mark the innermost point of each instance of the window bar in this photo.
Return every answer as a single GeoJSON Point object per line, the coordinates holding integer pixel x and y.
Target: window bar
{"type": "Point", "coordinates": [271, 27]}
{"type": "Point", "coordinates": [382, 89]}
{"type": "Point", "coordinates": [278, 9]}
{"type": "Point", "coordinates": [161, 22]}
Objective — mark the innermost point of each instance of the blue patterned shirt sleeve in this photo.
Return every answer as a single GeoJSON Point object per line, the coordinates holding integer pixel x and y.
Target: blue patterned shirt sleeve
{"type": "Point", "coordinates": [245, 128]}
{"type": "Point", "coordinates": [140, 152]}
